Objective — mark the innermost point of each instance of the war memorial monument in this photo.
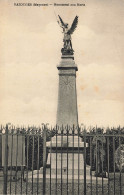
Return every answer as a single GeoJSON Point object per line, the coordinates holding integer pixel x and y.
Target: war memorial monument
{"type": "Point", "coordinates": [68, 146]}
{"type": "Point", "coordinates": [66, 150]}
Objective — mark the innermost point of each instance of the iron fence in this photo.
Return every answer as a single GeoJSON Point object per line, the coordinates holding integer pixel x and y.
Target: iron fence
{"type": "Point", "coordinates": [62, 160]}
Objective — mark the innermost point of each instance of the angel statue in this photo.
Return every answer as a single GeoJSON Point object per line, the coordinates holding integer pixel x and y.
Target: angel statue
{"type": "Point", "coordinates": [67, 35]}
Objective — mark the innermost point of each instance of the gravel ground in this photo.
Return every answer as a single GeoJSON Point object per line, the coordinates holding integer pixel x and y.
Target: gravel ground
{"type": "Point", "coordinates": [15, 188]}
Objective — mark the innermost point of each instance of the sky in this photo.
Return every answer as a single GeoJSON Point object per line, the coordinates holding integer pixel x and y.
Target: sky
{"type": "Point", "coordinates": [30, 50]}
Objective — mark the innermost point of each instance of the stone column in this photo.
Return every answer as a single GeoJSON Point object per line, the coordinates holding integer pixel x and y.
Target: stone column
{"type": "Point", "coordinates": [66, 150]}
{"type": "Point", "coordinates": [67, 97]}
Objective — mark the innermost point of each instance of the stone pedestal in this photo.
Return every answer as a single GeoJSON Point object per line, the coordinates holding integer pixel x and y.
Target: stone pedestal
{"type": "Point", "coordinates": [66, 157]}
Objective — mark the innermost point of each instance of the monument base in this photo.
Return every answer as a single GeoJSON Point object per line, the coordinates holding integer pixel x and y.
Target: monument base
{"type": "Point", "coordinates": [66, 162]}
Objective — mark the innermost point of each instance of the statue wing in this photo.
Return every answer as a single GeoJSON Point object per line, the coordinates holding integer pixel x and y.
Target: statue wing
{"type": "Point", "coordinates": [62, 23]}
{"type": "Point", "coordinates": [73, 26]}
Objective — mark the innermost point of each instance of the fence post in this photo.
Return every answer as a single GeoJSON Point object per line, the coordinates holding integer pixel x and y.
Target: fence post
{"type": "Point", "coordinates": [44, 159]}
{"type": "Point", "coordinates": [5, 169]}
{"type": "Point", "coordinates": [85, 161]}
{"type": "Point", "coordinates": [1, 146]}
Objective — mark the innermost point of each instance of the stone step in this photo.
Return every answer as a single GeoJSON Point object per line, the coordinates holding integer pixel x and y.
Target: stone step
{"type": "Point", "coordinates": [39, 174]}
{"type": "Point", "coordinates": [64, 171]}
{"type": "Point", "coordinates": [63, 179]}
{"type": "Point", "coordinates": [70, 172]}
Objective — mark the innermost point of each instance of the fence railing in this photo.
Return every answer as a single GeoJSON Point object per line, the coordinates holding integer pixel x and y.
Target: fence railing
{"type": "Point", "coordinates": [62, 160]}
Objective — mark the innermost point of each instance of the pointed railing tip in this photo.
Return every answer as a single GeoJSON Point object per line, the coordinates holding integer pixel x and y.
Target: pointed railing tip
{"type": "Point", "coordinates": [62, 128]}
